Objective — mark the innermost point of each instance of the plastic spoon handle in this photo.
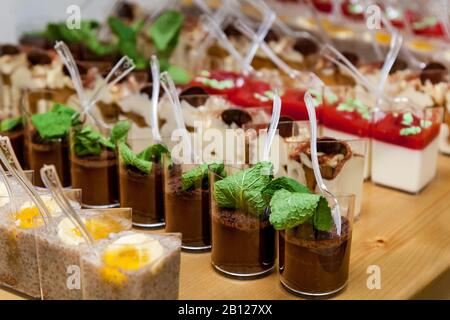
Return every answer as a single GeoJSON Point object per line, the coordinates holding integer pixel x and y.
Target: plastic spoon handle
{"type": "Point", "coordinates": [315, 162]}
{"type": "Point", "coordinates": [396, 44]}
{"type": "Point", "coordinates": [272, 126]}
{"type": "Point", "coordinates": [171, 91]}
{"type": "Point", "coordinates": [6, 148]}
{"type": "Point", "coordinates": [69, 61]}
{"type": "Point", "coordinates": [50, 178]}
{"type": "Point", "coordinates": [12, 202]}
{"type": "Point", "coordinates": [154, 66]}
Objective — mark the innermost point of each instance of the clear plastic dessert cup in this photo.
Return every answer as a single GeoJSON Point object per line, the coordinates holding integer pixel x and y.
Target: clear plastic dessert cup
{"type": "Point", "coordinates": [313, 263]}
{"type": "Point", "coordinates": [187, 206]}
{"type": "Point", "coordinates": [132, 266]}
{"type": "Point", "coordinates": [40, 151]}
{"type": "Point", "coordinates": [341, 165]}
{"type": "Point", "coordinates": [59, 250]}
{"type": "Point", "coordinates": [94, 168]}
{"type": "Point", "coordinates": [142, 191]}
{"type": "Point", "coordinates": [405, 148]}
{"type": "Point", "coordinates": [243, 243]}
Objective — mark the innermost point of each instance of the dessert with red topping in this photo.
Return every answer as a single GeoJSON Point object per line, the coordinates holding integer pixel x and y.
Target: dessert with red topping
{"type": "Point", "coordinates": [405, 149]}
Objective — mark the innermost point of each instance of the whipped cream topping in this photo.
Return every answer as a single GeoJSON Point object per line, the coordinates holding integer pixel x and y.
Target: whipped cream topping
{"type": "Point", "coordinates": [9, 63]}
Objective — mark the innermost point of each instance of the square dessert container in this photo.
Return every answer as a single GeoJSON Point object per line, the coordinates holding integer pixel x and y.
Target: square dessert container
{"type": "Point", "coordinates": [240, 228]}
{"type": "Point", "coordinates": [93, 168]}
{"type": "Point", "coordinates": [187, 208]}
{"type": "Point", "coordinates": [18, 259]}
{"type": "Point", "coordinates": [314, 263]}
{"type": "Point", "coordinates": [341, 165]}
{"type": "Point", "coordinates": [132, 266]}
{"type": "Point", "coordinates": [41, 151]}
{"type": "Point", "coordinates": [405, 148]}
{"type": "Point", "coordinates": [59, 249]}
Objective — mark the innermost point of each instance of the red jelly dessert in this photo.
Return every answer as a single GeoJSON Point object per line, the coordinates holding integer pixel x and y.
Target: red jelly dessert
{"type": "Point", "coordinates": [323, 5]}
{"type": "Point", "coordinates": [351, 116]}
{"type": "Point", "coordinates": [428, 26]}
{"type": "Point", "coordinates": [352, 9]}
{"type": "Point", "coordinates": [252, 94]}
{"type": "Point", "coordinates": [218, 82]}
{"type": "Point", "coordinates": [293, 105]}
{"type": "Point", "coordinates": [406, 130]}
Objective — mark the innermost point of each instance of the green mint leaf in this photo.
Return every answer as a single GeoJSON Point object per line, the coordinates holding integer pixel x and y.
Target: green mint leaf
{"type": "Point", "coordinates": [179, 75]}
{"type": "Point", "coordinates": [130, 159]}
{"type": "Point", "coordinates": [290, 209]}
{"type": "Point", "coordinates": [285, 183]}
{"type": "Point", "coordinates": [198, 176]}
{"type": "Point", "coordinates": [166, 30]}
{"type": "Point", "coordinates": [87, 141]}
{"type": "Point", "coordinates": [242, 190]}
{"type": "Point", "coordinates": [54, 124]}
{"type": "Point", "coordinates": [119, 131]}
{"type": "Point", "coordinates": [323, 220]}
{"type": "Point", "coordinates": [153, 153]}
{"type": "Point", "coordinates": [10, 124]}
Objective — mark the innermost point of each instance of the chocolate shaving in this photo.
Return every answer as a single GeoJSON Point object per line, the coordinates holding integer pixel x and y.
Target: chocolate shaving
{"type": "Point", "coordinates": [435, 72]}
{"type": "Point", "coordinates": [306, 46]}
{"type": "Point", "coordinates": [399, 65]}
{"type": "Point", "coordinates": [9, 49]}
{"type": "Point", "coordinates": [286, 127]}
{"type": "Point", "coordinates": [125, 10]}
{"type": "Point", "coordinates": [39, 57]}
{"type": "Point", "coordinates": [195, 96]}
{"type": "Point", "coordinates": [237, 116]}
{"type": "Point", "coordinates": [352, 57]}
{"type": "Point", "coordinates": [271, 36]}
{"type": "Point", "coordinates": [36, 41]}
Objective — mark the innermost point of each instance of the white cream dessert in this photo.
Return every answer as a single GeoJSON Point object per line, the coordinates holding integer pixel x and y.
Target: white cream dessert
{"type": "Point", "coordinates": [341, 167]}
{"type": "Point", "coordinates": [133, 266]}
{"type": "Point", "coordinates": [405, 150]}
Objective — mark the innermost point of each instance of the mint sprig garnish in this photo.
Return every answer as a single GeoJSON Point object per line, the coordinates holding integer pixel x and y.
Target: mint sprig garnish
{"type": "Point", "coordinates": [87, 141]}
{"type": "Point", "coordinates": [290, 209]}
{"type": "Point", "coordinates": [243, 189]}
{"type": "Point", "coordinates": [144, 160]}
{"type": "Point", "coordinates": [285, 183]}
{"type": "Point", "coordinates": [10, 124]}
{"type": "Point", "coordinates": [198, 176]}
{"type": "Point", "coordinates": [54, 124]}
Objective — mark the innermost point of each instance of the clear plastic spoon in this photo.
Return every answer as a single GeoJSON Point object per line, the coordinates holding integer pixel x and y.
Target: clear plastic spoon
{"type": "Point", "coordinates": [154, 66]}
{"type": "Point", "coordinates": [273, 125]}
{"type": "Point", "coordinates": [51, 180]}
{"type": "Point", "coordinates": [335, 210]}
{"type": "Point", "coordinates": [171, 91]}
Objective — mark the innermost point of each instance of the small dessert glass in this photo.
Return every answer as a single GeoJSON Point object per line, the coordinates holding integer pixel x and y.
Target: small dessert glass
{"type": "Point", "coordinates": [41, 151]}
{"type": "Point", "coordinates": [315, 263]}
{"type": "Point", "coordinates": [94, 172]}
{"type": "Point", "coordinates": [16, 136]}
{"type": "Point", "coordinates": [186, 211]}
{"type": "Point", "coordinates": [243, 245]}
{"type": "Point", "coordinates": [142, 191]}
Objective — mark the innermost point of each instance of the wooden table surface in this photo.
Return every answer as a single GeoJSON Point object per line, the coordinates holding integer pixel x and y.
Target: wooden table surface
{"type": "Point", "coordinates": [407, 236]}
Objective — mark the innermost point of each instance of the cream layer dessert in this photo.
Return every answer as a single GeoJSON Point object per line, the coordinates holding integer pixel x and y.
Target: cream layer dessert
{"type": "Point", "coordinates": [405, 149]}
{"type": "Point", "coordinates": [58, 250]}
{"type": "Point", "coordinates": [133, 266]}
{"type": "Point", "coordinates": [341, 166]}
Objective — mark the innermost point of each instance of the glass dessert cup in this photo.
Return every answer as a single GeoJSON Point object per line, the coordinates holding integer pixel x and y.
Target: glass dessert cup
{"type": "Point", "coordinates": [59, 250]}
{"type": "Point", "coordinates": [16, 136]}
{"type": "Point", "coordinates": [444, 135]}
{"type": "Point", "coordinates": [348, 116]}
{"type": "Point", "coordinates": [94, 171]}
{"type": "Point", "coordinates": [405, 148]}
{"type": "Point", "coordinates": [313, 263]}
{"type": "Point", "coordinates": [132, 266]}
{"type": "Point", "coordinates": [232, 229]}
{"type": "Point", "coordinates": [341, 165]}
{"type": "Point", "coordinates": [44, 151]}
{"type": "Point", "coordinates": [288, 132]}
{"type": "Point", "coordinates": [19, 269]}
{"type": "Point", "coordinates": [143, 192]}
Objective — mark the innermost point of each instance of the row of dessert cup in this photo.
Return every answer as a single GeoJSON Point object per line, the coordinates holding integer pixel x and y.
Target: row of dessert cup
{"type": "Point", "coordinates": [50, 259]}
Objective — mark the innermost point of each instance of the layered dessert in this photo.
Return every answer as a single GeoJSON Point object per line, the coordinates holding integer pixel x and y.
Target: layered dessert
{"type": "Point", "coordinates": [405, 149]}
{"type": "Point", "coordinates": [132, 266]}
{"type": "Point", "coordinates": [11, 58]}
{"type": "Point", "coordinates": [239, 218]}
{"type": "Point", "coordinates": [47, 141]}
{"type": "Point", "coordinates": [59, 250]}
{"type": "Point", "coordinates": [341, 166]}
{"type": "Point", "coordinates": [187, 203]}
{"type": "Point", "coordinates": [93, 158]}
{"type": "Point", "coordinates": [313, 256]}
{"type": "Point", "coordinates": [141, 184]}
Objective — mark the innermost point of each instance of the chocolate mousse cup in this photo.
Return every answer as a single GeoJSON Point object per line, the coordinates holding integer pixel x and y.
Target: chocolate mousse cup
{"type": "Point", "coordinates": [143, 192]}
{"type": "Point", "coordinates": [187, 211]}
{"type": "Point", "coordinates": [40, 152]}
{"type": "Point", "coordinates": [243, 245]}
{"type": "Point", "coordinates": [95, 174]}
{"type": "Point", "coordinates": [315, 263]}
